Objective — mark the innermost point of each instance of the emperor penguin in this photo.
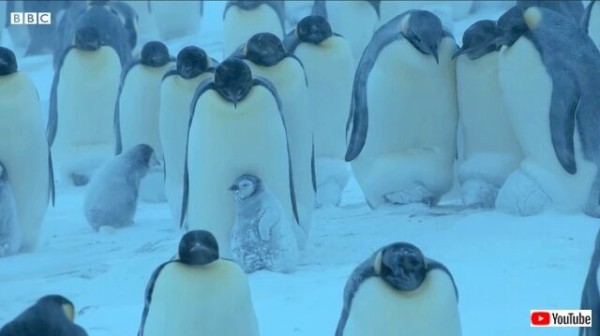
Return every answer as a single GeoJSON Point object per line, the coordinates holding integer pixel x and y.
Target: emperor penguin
{"type": "Point", "coordinates": [553, 120]}
{"type": "Point", "coordinates": [50, 315]}
{"type": "Point", "coordinates": [104, 19]}
{"type": "Point", "coordinates": [329, 66]}
{"type": "Point", "coordinates": [137, 111]}
{"type": "Point", "coordinates": [398, 291]}
{"type": "Point", "coordinates": [591, 22]}
{"type": "Point", "coordinates": [236, 128]}
{"type": "Point", "coordinates": [266, 56]}
{"type": "Point", "coordinates": [403, 117]}
{"type": "Point", "coordinates": [491, 151]}
{"type": "Point", "coordinates": [590, 296]}
{"type": "Point", "coordinates": [176, 91]}
{"type": "Point", "coordinates": [112, 195]}
{"type": "Point", "coordinates": [86, 79]}
{"type": "Point", "coordinates": [244, 18]}
{"type": "Point", "coordinates": [10, 231]}
{"type": "Point", "coordinates": [354, 20]}
{"type": "Point", "coordinates": [198, 293]}
{"type": "Point", "coordinates": [24, 152]}
{"type": "Point", "coordinates": [176, 19]}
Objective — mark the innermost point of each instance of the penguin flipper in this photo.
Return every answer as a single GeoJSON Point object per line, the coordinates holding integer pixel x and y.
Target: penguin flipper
{"type": "Point", "coordinates": [433, 264]}
{"type": "Point", "coordinates": [148, 294]}
{"type": "Point", "coordinates": [313, 170]}
{"type": "Point", "coordinates": [51, 188]}
{"type": "Point", "coordinates": [52, 125]}
{"type": "Point", "coordinates": [291, 41]}
{"type": "Point", "coordinates": [585, 19]}
{"type": "Point", "coordinates": [566, 95]}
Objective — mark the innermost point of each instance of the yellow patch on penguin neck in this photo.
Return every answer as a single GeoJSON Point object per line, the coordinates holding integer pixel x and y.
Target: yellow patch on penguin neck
{"type": "Point", "coordinates": [69, 311]}
{"type": "Point", "coordinates": [404, 24]}
{"type": "Point", "coordinates": [245, 49]}
{"type": "Point", "coordinates": [377, 263]}
{"type": "Point", "coordinates": [533, 17]}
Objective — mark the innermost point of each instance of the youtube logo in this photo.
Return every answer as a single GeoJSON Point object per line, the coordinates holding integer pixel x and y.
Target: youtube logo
{"type": "Point", "coordinates": [540, 318]}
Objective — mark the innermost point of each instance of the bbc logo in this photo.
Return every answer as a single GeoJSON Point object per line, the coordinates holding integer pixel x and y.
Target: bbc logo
{"type": "Point", "coordinates": [30, 18]}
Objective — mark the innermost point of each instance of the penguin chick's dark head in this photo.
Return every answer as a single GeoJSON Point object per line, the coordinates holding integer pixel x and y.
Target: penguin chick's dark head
{"type": "Point", "coordinates": [59, 301]}
{"type": "Point", "coordinates": [265, 49]}
{"type": "Point", "coordinates": [511, 26]}
{"type": "Point", "coordinates": [313, 29]}
{"type": "Point", "coordinates": [191, 62]}
{"type": "Point", "coordinates": [198, 247]}
{"type": "Point", "coordinates": [8, 62]}
{"type": "Point", "coordinates": [401, 265]}
{"type": "Point", "coordinates": [88, 39]}
{"type": "Point", "coordinates": [233, 80]}
{"type": "Point", "coordinates": [155, 54]}
{"type": "Point", "coordinates": [245, 186]}
{"type": "Point", "coordinates": [479, 39]}
{"type": "Point", "coordinates": [424, 31]}
{"type": "Point", "coordinates": [142, 157]}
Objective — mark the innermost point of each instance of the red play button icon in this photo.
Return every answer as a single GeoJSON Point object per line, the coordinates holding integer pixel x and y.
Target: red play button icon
{"type": "Point", "coordinates": [540, 318]}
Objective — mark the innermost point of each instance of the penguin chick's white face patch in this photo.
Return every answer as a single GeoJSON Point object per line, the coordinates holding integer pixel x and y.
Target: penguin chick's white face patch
{"type": "Point", "coordinates": [404, 23]}
{"type": "Point", "coordinates": [533, 17]}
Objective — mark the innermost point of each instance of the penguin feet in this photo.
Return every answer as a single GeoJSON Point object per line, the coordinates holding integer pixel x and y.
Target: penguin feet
{"type": "Point", "coordinates": [522, 196]}
{"type": "Point", "coordinates": [478, 193]}
{"type": "Point", "coordinates": [413, 194]}
{"type": "Point", "coordinates": [79, 180]}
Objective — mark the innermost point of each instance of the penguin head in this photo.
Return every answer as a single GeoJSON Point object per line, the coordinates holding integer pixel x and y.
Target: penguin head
{"type": "Point", "coordinates": [247, 4]}
{"type": "Point", "coordinates": [58, 301]}
{"type": "Point", "coordinates": [198, 247]}
{"type": "Point", "coordinates": [191, 62]}
{"type": "Point", "coordinates": [265, 49]}
{"type": "Point", "coordinates": [479, 39]}
{"type": "Point", "coordinates": [313, 29]}
{"type": "Point", "coordinates": [511, 26]}
{"type": "Point", "coordinates": [401, 265]}
{"type": "Point", "coordinates": [233, 80]}
{"type": "Point", "coordinates": [8, 62]}
{"type": "Point", "coordinates": [424, 31]}
{"type": "Point", "coordinates": [88, 39]}
{"type": "Point", "coordinates": [143, 158]}
{"type": "Point", "coordinates": [155, 54]}
{"type": "Point", "coordinates": [245, 186]}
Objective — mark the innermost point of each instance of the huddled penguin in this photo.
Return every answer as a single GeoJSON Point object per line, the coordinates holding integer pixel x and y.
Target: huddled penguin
{"type": "Point", "coordinates": [590, 296]}
{"type": "Point", "coordinates": [591, 22]}
{"type": "Point", "coordinates": [50, 315]}
{"type": "Point", "coordinates": [354, 20]}
{"type": "Point", "coordinates": [398, 291]}
{"type": "Point", "coordinates": [491, 151]}
{"type": "Point", "coordinates": [236, 128]}
{"type": "Point", "coordinates": [551, 110]}
{"type": "Point", "coordinates": [244, 18]}
{"type": "Point", "coordinates": [103, 18]}
{"type": "Point", "coordinates": [329, 65]}
{"type": "Point", "coordinates": [266, 56]}
{"type": "Point", "coordinates": [24, 153]}
{"type": "Point", "coordinates": [112, 195]}
{"type": "Point", "coordinates": [82, 103]}
{"type": "Point", "coordinates": [10, 230]}
{"type": "Point", "coordinates": [403, 119]}
{"type": "Point", "coordinates": [176, 19]}
{"type": "Point", "coordinates": [198, 293]}
{"type": "Point", "coordinates": [137, 110]}
{"type": "Point", "coordinates": [262, 236]}
{"type": "Point", "coordinates": [176, 92]}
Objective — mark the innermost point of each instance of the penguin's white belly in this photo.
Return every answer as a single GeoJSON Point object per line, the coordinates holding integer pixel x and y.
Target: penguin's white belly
{"type": "Point", "coordinates": [177, 18]}
{"type": "Point", "coordinates": [24, 153]}
{"type": "Point", "coordinates": [239, 25]}
{"type": "Point", "coordinates": [225, 142]}
{"type": "Point", "coordinates": [214, 299]}
{"type": "Point", "coordinates": [487, 132]}
{"type": "Point", "coordinates": [430, 310]}
{"type": "Point", "coordinates": [289, 81]}
{"type": "Point", "coordinates": [343, 17]}
{"type": "Point", "coordinates": [174, 117]}
{"type": "Point", "coordinates": [412, 123]}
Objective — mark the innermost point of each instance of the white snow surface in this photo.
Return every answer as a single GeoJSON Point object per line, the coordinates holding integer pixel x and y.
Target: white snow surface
{"type": "Point", "coordinates": [504, 266]}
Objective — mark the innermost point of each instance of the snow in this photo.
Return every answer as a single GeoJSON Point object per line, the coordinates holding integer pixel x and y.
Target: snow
{"type": "Point", "coordinates": [504, 266]}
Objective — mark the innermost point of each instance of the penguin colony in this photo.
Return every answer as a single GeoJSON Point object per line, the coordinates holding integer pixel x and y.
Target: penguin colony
{"type": "Point", "coordinates": [247, 148]}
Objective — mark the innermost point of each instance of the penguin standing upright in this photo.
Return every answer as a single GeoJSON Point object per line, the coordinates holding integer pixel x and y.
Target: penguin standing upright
{"type": "Point", "coordinates": [86, 80]}
{"type": "Point", "coordinates": [176, 92]}
{"type": "Point", "coordinates": [354, 20]}
{"type": "Point", "coordinates": [24, 151]}
{"type": "Point", "coordinates": [236, 128]}
{"type": "Point", "coordinates": [266, 56]}
{"type": "Point", "coordinates": [244, 18]}
{"type": "Point", "coordinates": [198, 293]}
{"type": "Point", "coordinates": [404, 112]}
{"type": "Point", "coordinates": [553, 111]}
{"type": "Point", "coordinates": [329, 65]}
{"type": "Point", "coordinates": [177, 18]}
{"type": "Point", "coordinates": [137, 109]}
{"type": "Point", "coordinates": [491, 151]}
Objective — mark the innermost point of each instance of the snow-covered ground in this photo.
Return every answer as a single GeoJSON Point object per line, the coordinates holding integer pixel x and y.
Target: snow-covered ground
{"type": "Point", "coordinates": [504, 266]}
